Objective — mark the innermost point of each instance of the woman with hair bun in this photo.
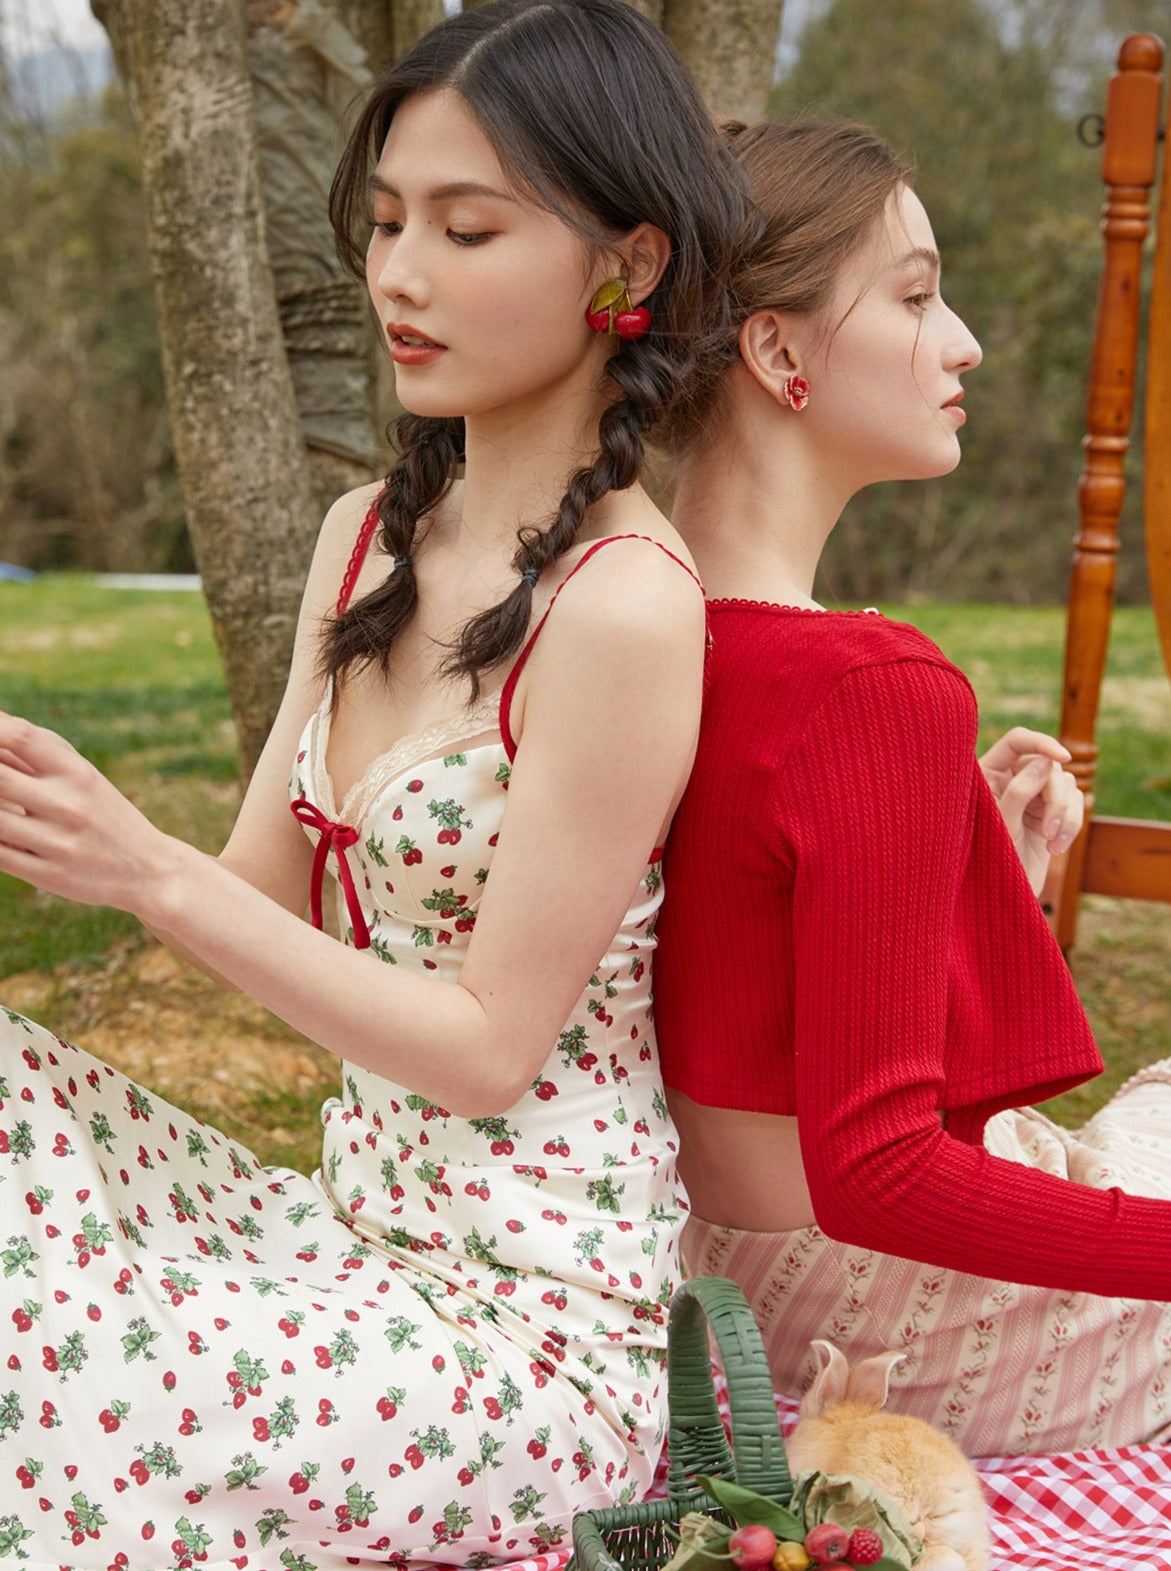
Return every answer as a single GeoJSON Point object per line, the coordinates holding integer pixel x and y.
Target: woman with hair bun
{"type": "Point", "coordinates": [451, 1338]}
{"type": "Point", "coordinates": [857, 992]}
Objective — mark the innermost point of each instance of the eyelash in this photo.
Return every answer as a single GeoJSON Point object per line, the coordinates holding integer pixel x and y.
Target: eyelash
{"type": "Point", "coordinates": [392, 227]}
{"type": "Point", "coordinates": [921, 300]}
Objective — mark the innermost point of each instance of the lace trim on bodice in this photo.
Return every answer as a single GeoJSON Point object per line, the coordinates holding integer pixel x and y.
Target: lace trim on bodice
{"type": "Point", "coordinates": [480, 718]}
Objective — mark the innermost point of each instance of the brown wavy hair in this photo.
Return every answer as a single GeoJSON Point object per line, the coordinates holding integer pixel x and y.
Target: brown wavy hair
{"type": "Point", "coordinates": [589, 110]}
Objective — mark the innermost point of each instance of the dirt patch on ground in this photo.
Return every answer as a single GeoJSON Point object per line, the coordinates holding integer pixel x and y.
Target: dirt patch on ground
{"type": "Point", "coordinates": [217, 1054]}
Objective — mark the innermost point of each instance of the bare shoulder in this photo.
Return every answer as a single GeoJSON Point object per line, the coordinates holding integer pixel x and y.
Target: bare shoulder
{"type": "Point", "coordinates": [637, 590]}
{"type": "Point", "coordinates": [335, 544]}
{"type": "Point", "coordinates": [341, 525]}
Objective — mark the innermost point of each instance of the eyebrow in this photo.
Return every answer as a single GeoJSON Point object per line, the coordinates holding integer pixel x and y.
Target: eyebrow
{"type": "Point", "coordinates": [921, 253]}
{"type": "Point", "coordinates": [441, 193]}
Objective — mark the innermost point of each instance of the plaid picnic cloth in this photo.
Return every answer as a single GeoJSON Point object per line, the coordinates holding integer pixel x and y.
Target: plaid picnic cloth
{"type": "Point", "coordinates": [1073, 1511]}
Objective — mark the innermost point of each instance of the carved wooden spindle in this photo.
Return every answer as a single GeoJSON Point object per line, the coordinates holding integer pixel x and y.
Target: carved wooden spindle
{"type": "Point", "coordinates": [1157, 436]}
{"type": "Point", "coordinates": [1128, 171]}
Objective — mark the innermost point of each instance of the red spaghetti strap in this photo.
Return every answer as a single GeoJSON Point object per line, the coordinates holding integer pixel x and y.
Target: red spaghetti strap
{"type": "Point", "coordinates": [509, 687]}
{"type": "Point", "coordinates": [357, 557]}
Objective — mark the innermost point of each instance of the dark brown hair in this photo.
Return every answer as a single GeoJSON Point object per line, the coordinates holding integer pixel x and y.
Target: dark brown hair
{"type": "Point", "coordinates": [590, 111]}
{"type": "Point", "coordinates": [818, 188]}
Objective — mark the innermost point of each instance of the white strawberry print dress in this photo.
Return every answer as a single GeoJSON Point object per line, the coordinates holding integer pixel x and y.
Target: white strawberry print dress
{"type": "Point", "coordinates": [436, 1349]}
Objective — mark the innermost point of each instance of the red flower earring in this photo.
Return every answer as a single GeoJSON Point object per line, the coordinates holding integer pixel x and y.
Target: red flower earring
{"type": "Point", "coordinates": [795, 392]}
{"type": "Point", "coordinates": [611, 311]}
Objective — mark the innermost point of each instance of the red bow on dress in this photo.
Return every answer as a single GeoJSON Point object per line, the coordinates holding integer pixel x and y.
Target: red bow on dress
{"type": "Point", "coordinates": [335, 838]}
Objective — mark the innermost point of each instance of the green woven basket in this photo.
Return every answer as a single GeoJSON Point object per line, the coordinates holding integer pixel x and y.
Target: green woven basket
{"type": "Point", "coordinates": [635, 1538]}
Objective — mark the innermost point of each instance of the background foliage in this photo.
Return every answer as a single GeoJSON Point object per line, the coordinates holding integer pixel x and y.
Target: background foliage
{"type": "Point", "coordinates": [984, 96]}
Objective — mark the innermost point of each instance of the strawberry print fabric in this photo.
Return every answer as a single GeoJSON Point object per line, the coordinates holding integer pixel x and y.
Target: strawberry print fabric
{"type": "Point", "coordinates": [436, 1349]}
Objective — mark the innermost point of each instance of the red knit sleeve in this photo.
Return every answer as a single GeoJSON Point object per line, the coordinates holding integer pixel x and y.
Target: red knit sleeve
{"type": "Point", "coordinates": [875, 804]}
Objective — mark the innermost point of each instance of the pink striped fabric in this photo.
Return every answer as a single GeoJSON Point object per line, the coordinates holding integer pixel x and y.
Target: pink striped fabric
{"type": "Point", "coordinates": [1001, 1368]}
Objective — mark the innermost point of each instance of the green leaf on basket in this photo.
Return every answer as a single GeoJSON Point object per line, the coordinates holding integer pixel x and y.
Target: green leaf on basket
{"type": "Point", "coordinates": [747, 1506]}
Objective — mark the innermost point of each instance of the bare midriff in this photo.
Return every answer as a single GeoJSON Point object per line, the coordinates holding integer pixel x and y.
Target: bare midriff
{"type": "Point", "coordinates": [741, 1169]}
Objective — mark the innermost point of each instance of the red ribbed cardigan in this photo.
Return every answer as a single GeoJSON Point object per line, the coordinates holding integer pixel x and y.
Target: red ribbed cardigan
{"type": "Point", "coordinates": [848, 935]}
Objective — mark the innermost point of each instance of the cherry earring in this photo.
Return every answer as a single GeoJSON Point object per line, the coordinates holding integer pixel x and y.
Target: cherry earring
{"type": "Point", "coordinates": [611, 311]}
{"type": "Point", "coordinates": [795, 392]}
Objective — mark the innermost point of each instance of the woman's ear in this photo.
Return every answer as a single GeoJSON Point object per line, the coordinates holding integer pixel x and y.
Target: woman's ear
{"type": "Point", "coordinates": [645, 253]}
{"type": "Point", "coordinates": [768, 350]}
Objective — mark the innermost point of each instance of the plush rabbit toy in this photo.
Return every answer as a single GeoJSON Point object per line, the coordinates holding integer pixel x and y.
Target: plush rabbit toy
{"type": "Point", "coordinates": [842, 1429]}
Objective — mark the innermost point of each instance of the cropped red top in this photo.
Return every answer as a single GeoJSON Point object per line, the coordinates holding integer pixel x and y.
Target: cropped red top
{"type": "Point", "coordinates": [849, 936]}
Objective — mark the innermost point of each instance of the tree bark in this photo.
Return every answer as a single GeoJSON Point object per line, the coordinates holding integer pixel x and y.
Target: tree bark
{"type": "Point", "coordinates": [730, 47]}
{"type": "Point", "coordinates": [234, 418]}
{"type": "Point", "coordinates": [307, 69]}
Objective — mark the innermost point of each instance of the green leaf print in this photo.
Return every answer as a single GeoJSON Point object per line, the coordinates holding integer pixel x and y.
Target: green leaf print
{"type": "Point", "coordinates": [197, 1147]}
{"type": "Point", "coordinates": [272, 1525]}
{"type": "Point", "coordinates": [547, 1535]}
{"type": "Point", "coordinates": [160, 1459]}
{"type": "Point", "coordinates": [361, 1502]}
{"type": "Point", "coordinates": [434, 1441]}
{"type": "Point", "coordinates": [196, 1539]}
{"type": "Point", "coordinates": [11, 1413]}
{"type": "Point", "coordinates": [374, 850]}
{"type": "Point", "coordinates": [101, 1134]}
{"type": "Point", "coordinates": [294, 1562]}
{"type": "Point", "coordinates": [89, 1517]}
{"type": "Point", "coordinates": [12, 1534]}
{"type": "Point", "coordinates": [471, 1359]}
{"type": "Point", "coordinates": [140, 1104]}
{"type": "Point", "coordinates": [251, 1370]}
{"type": "Point", "coordinates": [604, 1195]}
{"type": "Point", "coordinates": [283, 1420]}
{"type": "Point", "coordinates": [244, 1472]}
{"type": "Point", "coordinates": [139, 1336]}
{"type": "Point", "coordinates": [20, 1141]}
{"type": "Point", "coordinates": [455, 1518]}
{"type": "Point", "coordinates": [524, 1503]}
{"type": "Point", "coordinates": [382, 949]}
{"type": "Point", "coordinates": [449, 814]}
{"type": "Point", "coordinates": [400, 1333]}
{"type": "Point", "coordinates": [455, 760]}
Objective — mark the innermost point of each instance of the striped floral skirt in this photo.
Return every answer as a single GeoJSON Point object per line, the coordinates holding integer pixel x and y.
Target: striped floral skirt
{"type": "Point", "coordinates": [1000, 1367]}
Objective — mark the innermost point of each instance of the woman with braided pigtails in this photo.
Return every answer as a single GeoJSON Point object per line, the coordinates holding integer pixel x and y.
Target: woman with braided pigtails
{"type": "Point", "coordinates": [451, 1338]}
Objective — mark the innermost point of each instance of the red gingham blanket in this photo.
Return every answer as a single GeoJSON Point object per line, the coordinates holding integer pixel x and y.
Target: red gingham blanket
{"type": "Point", "coordinates": [1073, 1511]}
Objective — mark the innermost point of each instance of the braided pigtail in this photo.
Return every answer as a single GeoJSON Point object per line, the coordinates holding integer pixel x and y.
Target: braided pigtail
{"type": "Point", "coordinates": [429, 452]}
{"type": "Point", "coordinates": [645, 376]}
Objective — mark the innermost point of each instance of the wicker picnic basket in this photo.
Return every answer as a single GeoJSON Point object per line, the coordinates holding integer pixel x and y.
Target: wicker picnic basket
{"type": "Point", "coordinates": [636, 1538]}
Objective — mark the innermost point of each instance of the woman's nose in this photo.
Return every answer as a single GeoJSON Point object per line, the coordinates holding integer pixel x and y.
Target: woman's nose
{"type": "Point", "coordinates": [965, 353]}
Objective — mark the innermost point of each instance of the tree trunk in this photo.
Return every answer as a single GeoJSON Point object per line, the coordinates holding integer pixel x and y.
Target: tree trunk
{"type": "Point", "coordinates": [307, 70]}
{"type": "Point", "coordinates": [234, 419]}
{"type": "Point", "coordinates": [730, 47]}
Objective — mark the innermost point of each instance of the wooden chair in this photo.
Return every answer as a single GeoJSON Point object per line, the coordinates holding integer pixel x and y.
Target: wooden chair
{"type": "Point", "coordinates": [1119, 856]}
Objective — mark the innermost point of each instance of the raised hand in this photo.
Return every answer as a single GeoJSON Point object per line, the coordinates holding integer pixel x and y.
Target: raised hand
{"type": "Point", "coordinates": [1041, 802]}
{"type": "Point", "coordinates": [64, 828]}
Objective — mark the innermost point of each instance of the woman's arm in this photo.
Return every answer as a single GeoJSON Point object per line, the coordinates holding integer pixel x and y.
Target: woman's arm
{"type": "Point", "coordinates": [610, 715]}
{"type": "Point", "coordinates": [267, 847]}
{"type": "Point", "coordinates": [881, 788]}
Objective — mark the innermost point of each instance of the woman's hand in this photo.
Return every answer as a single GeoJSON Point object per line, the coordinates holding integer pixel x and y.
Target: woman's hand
{"type": "Point", "coordinates": [1041, 801]}
{"type": "Point", "coordinates": [65, 829]}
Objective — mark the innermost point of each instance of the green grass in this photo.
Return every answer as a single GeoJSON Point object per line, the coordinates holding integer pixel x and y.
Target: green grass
{"type": "Point", "coordinates": [132, 678]}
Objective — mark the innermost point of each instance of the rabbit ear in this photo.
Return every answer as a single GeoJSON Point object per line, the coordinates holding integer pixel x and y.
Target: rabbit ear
{"type": "Point", "coordinates": [870, 1380]}
{"type": "Point", "coordinates": [829, 1383]}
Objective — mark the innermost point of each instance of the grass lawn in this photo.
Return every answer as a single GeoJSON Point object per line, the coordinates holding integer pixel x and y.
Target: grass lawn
{"type": "Point", "coordinates": [132, 678]}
